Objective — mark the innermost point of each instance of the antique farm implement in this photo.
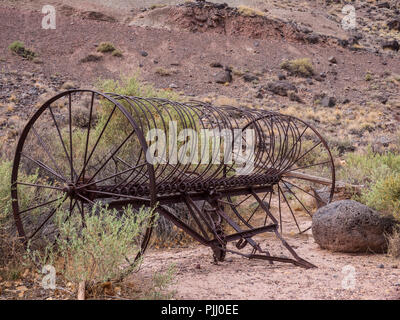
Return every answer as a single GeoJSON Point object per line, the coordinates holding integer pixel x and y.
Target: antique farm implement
{"type": "Point", "coordinates": [236, 172]}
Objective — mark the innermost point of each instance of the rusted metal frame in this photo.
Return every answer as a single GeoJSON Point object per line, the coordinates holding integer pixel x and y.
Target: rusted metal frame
{"type": "Point", "coordinates": [180, 224]}
{"type": "Point", "coordinates": [190, 205]}
{"type": "Point", "coordinates": [287, 246]}
{"type": "Point", "coordinates": [195, 210]}
{"type": "Point", "coordinates": [237, 228]}
{"type": "Point", "coordinates": [247, 233]}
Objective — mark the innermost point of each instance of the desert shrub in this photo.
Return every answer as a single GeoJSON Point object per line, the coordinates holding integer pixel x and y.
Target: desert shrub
{"type": "Point", "coordinates": [5, 190]}
{"type": "Point", "coordinates": [368, 167]}
{"type": "Point", "coordinates": [394, 244]}
{"type": "Point", "coordinates": [163, 72]}
{"type": "Point", "coordinates": [117, 53]}
{"type": "Point", "coordinates": [384, 195]}
{"type": "Point", "coordinates": [249, 12]}
{"type": "Point", "coordinates": [300, 67]}
{"type": "Point", "coordinates": [131, 86]}
{"type": "Point", "coordinates": [11, 248]}
{"type": "Point", "coordinates": [97, 252]}
{"type": "Point", "coordinates": [18, 47]}
{"type": "Point", "coordinates": [105, 47]}
{"type": "Point", "coordinates": [380, 175]}
{"type": "Point", "coordinates": [161, 281]}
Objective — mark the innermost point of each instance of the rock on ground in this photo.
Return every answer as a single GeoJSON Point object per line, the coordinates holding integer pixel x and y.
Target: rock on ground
{"type": "Point", "coordinates": [349, 226]}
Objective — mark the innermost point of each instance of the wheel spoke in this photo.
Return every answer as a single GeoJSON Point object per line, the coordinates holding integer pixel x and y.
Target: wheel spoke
{"type": "Point", "coordinates": [110, 157]}
{"type": "Point", "coordinates": [316, 145]}
{"type": "Point", "coordinates": [71, 159]}
{"type": "Point", "coordinates": [42, 144]}
{"type": "Point", "coordinates": [110, 177]}
{"type": "Point", "coordinates": [39, 186]}
{"type": "Point", "coordinates": [43, 166]}
{"type": "Point", "coordinates": [59, 134]}
{"type": "Point", "coordinates": [97, 141]}
{"type": "Point", "coordinates": [47, 219]}
{"type": "Point", "coordinates": [309, 166]}
{"type": "Point", "coordinates": [290, 190]}
{"type": "Point", "coordinates": [88, 136]}
{"type": "Point", "coordinates": [40, 205]}
{"type": "Point", "coordinates": [296, 186]}
{"type": "Point", "coordinates": [290, 208]}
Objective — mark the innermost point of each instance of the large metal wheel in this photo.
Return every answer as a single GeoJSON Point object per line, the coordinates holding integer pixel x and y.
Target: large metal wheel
{"type": "Point", "coordinates": [77, 145]}
{"type": "Point", "coordinates": [301, 158]}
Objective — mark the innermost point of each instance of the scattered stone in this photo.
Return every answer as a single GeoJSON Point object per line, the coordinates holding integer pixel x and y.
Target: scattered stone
{"type": "Point", "coordinates": [173, 86]}
{"type": "Point", "coordinates": [68, 85]}
{"type": "Point", "coordinates": [281, 76]}
{"type": "Point", "coordinates": [281, 87]}
{"type": "Point", "coordinates": [383, 98]}
{"type": "Point", "coordinates": [294, 97]}
{"type": "Point", "coordinates": [224, 76]}
{"type": "Point", "coordinates": [328, 102]}
{"type": "Point", "coordinates": [381, 266]}
{"type": "Point", "coordinates": [93, 57]}
{"type": "Point", "coordinates": [216, 65]}
{"type": "Point", "coordinates": [394, 24]}
{"type": "Point", "coordinates": [259, 95]}
{"type": "Point", "coordinates": [312, 38]}
{"type": "Point", "coordinates": [144, 53]}
{"type": "Point", "coordinates": [94, 15]}
{"type": "Point", "coordinates": [332, 60]}
{"type": "Point", "coordinates": [250, 78]}
{"type": "Point", "coordinates": [383, 5]}
{"type": "Point", "coordinates": [391, 45]}
{"type": "Point", "coordinates": [349, 226]}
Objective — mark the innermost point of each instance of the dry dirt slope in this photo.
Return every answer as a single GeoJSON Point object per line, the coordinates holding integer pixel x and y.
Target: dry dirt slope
{"type": "Point", "coordinates": [182, 52]}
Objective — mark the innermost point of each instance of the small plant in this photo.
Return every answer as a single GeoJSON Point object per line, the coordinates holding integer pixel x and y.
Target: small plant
{"type": "Point", "coordinates": [368, 76]}
{"type": "Point", "coordinates": [105, 47]}
{"type": "Point", "coordinates": [18, 47]}
{"type": "Point", "coordinates": [97, 252]}
{"type": "Point", "coordinates": [117, 53]}
{"type": "Point", "coordinates": [161, 280]}
{"type": "Point", "coordinates": [249, 12]}
{"type": "Point", "coordinates": [394, 244]}
{"type": "Point", "coordinates": [384, 195]}
{"type": "Point", "coordinates": [157, 6]}
{"type": "Point", "coordinates": [163, 72]}
{"type": "Point", "coordinates": [301, 67]}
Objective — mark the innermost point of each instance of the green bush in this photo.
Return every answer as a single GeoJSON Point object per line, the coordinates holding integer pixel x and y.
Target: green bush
{"type": "Point", "coordinates": [97, 252]}
{"type": "Point", "coordinates": [301, 67]}
{"type": "Point", "coordinates": [117, 53]}
{"type": "Point", "coordinates": [131, 86]}
{"type": "Point", "coordinates": [105, 47]}
{"type": "Point", "coordinates": [25, 197]}
{"type": "Point", "coordinates": [384, 195]}
{"type": "Point", "coordinates": [18, 47]}
{"type": "Point", "coordinates": [380, 175]}
{"type": "Point", "coordinates": [369, 167]}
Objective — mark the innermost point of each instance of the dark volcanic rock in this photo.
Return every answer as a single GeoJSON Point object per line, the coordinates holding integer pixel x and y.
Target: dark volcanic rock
{"type": "Point", "coordinates": [281, 87]}
{"type": "Point", "coordinates": [94, 15]}
{"type": "Point", "coordinates": [224, 76]}
{"type": "Point", "coordinates": [394, 24]}
{"type": "Point", "coordinates": [349, 226]}
{"type": "Point", "coordinates": [392, 45]}
{"type": "Point", "coordinates": [328, 102]}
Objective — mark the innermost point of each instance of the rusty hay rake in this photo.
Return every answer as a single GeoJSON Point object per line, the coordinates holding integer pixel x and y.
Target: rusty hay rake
{"type": "Point", "coordinates": [87, 148]}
